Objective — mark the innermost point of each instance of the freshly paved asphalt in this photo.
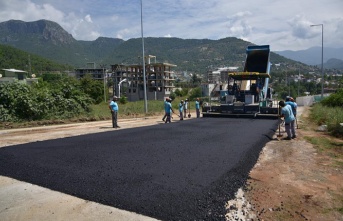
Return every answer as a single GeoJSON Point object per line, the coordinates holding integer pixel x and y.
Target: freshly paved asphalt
{"type": "Point", "coordinates": [185, 170]}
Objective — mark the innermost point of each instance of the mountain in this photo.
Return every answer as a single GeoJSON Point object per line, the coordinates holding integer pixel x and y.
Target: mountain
{"type": "Point", "coordinates": [199, 55]}
{"type": "Point", "coordinates": [334, 63]}
{"type": "Point", "coordinates": [49, 40]}
{"type": "Point", "coordinates": [313, 56]}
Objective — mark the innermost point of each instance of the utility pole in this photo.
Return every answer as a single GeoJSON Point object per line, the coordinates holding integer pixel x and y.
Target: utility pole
{"type": "Point", "coordinates": [322, 81]}
{"type": "Point", "coordinates": [298, 80]}
{"type": "Point", "coordinates": [144, 78]}
{"type": "Point", "coordinates": [30, 66]}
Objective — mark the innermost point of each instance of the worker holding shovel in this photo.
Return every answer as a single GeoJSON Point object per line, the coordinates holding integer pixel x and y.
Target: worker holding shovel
{"type": "Point", "coordinates": [287, 114]}
{"type": "Point", "coordinates": [290, 101]}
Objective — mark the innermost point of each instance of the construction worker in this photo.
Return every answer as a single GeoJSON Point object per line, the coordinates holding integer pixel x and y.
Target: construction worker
{"type": "Point", "coordinates": [287, 113]}
{"type": "Point", "coordinates": [290, 102]}
{"type": "Point", "coordinates": [165, 107]}
{"type": "Point", "coordinates": [168, 109]}
{"type": "Point", "coordinates": [294, 106]}
{"type": "Point", "coordinates": [185, 107]}
{"type": "Point", "coordinates": [197, 107]}
{"type": "Point", "coordinates": [181, 106]}
{"type": "Point", "coordinates": [114, 111]}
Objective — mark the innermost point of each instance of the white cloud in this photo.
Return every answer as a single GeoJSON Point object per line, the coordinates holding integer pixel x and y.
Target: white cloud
{"type": "Point", "coordinates": [88, 19]}
{"type": "Point", "coordinates": [301, 27]}
{"type": "Point", "coordinates": [238, 25]}
{"type": "Point", "coordinates": [282, 24]}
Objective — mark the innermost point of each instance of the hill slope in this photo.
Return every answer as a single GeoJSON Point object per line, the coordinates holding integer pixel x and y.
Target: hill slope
{"type": "Point", "coordinates": [14, 58]}
{"type": "Point", "coordinates": [50, 40]}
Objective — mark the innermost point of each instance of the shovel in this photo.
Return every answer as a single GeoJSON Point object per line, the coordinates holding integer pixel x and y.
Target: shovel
{"type": "Point", "coordinates": [279, 135]}
{"type": "Point", "coordinates": [189, 108]}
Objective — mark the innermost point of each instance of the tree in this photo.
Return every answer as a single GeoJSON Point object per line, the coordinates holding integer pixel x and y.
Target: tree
{"type": "Point", "coordinates": [194, 93]}
{"type": "Point", "coordinates": [93, 88]}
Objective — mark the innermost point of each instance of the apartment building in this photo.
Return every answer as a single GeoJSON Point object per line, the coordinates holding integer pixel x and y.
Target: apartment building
{"type": "Point", "coordinates": [128, 80]}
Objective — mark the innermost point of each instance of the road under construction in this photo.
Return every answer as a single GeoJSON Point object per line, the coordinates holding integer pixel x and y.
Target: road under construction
{"type": "Point", "coordinates": [186, 170]}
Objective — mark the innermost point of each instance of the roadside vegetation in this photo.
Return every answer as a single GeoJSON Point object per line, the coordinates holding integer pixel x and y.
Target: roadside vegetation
{"type": "Point", "coordinates": [329, 112]}
{"type": "Point", "coordinates": [58, 99]}
{"type": "Point", "coordinates": [328, 144]}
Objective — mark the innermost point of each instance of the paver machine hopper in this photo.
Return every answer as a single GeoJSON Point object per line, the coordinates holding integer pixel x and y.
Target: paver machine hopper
{"type": "Point", "coordinates": [248, 94]}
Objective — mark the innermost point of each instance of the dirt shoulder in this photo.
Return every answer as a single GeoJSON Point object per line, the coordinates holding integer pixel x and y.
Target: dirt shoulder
{"type": "Point", "coordinates": [293, 181]}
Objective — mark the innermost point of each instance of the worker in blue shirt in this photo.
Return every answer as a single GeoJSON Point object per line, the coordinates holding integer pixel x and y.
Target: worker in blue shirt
{"type": "Point", "coordinates": [168, 110]}
{"type": "Point", "coordinates": [290, 102]}
{"type": "Point", "coordinates": [197, 107]}
{"type": "Point", "coordinates": [165, 104]}
{"type": "Point", "coordinates": [287, 113]}
{"type": "Point", "coordinates": [114, 111]}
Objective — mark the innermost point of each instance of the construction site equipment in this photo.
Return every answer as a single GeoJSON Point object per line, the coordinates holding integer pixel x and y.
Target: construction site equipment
{"type": "Point", "coordinates": [248, 94]}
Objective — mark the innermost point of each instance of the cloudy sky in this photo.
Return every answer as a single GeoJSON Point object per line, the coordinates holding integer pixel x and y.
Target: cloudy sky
{"type": "Point", "coordinates": [284, 25]}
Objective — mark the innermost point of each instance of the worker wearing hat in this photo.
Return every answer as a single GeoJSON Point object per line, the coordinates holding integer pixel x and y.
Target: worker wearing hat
{"type": "Point", "coordinates": [114, 111]}
{"type": "Point", "coordinates": [168, 110]}
{"type": "Point", "coordinates": [290, 102]}
{"type": "Point", "coordinates": [165, 107]}
{"type": "Point", "coordinates": [287, 114]}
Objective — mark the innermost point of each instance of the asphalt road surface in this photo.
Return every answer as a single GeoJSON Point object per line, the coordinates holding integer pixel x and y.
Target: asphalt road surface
{"type": "Point", "coordinates": [185, 170]}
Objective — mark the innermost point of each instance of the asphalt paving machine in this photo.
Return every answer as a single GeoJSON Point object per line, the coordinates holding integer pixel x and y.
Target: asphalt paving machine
{"type": "Point", "coordinates": [248, 94]}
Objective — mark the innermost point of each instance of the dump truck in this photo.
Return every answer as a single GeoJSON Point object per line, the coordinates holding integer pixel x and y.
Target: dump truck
{"type": "Point", "coordinates": [248, 93]}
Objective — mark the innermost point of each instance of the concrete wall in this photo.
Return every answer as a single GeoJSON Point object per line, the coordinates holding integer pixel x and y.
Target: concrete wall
{"type": "Point", "coordinates": [309, 100]}
{"type": "Point", "coordinates": [305, 101]}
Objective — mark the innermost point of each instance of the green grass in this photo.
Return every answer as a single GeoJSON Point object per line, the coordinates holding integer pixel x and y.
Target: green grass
{"type": "Point", "coordinates": [133, 109]}
{"type": "Point", "coordinates": [330, 147]}
{"type": "Point", "coordinates": [330, 116]}
{"type": "Point", "coordinates": [327, 145]}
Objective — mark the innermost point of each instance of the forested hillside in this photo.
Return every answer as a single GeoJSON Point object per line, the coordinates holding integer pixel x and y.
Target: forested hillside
{"type": "Point", "coordinates": [14, 58]}
{"type": "Point", "coordinates": [198, 55]}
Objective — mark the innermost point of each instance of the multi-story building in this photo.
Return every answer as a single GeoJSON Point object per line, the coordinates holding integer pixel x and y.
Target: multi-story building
{"type": "Point", "coordinates": [96, 73]}
{"type": "Point", "coordinates": [128, 80]}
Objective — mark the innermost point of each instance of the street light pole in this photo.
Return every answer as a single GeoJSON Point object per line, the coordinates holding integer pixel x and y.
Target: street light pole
{"type": "Point", "coordinates": [322, 57]}
{"type": "Point", "coordinates": [144, 78]}
{"type": "Point", "coordinates": [103, 74]}
{"type": "Point", "coordinates": [119, 86]}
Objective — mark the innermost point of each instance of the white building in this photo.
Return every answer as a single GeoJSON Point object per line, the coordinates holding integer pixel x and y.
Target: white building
{"type": "Point", "coordinates": [12, 75]}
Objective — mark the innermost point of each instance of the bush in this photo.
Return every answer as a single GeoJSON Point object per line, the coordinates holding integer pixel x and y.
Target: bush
{"type": "Point", "coordinates": [334, 100]}
{"type": "Point", "coordinates": [172, 95]}
{"type": "Point", "coordinates": [194, 93]}
{"type": "Point", "coordinates": [20, 102]}
{"type": "Point", "coordinates": [123, 100]}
